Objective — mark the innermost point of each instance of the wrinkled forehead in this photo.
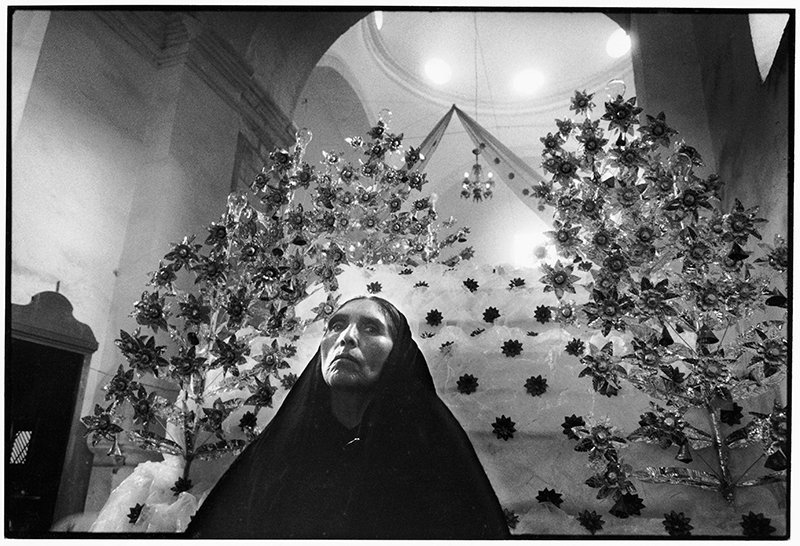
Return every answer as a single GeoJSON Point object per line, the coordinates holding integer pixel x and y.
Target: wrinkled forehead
{"type": "Point", "coordinates": [365, 308]}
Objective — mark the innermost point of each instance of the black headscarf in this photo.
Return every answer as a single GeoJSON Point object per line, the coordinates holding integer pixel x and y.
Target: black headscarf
{"type": "Point", "coordinates": [407, 471]}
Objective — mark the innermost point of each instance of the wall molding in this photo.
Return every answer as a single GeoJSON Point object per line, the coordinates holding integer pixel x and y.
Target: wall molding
{"type": "Point", "coordinates": [168, 39]}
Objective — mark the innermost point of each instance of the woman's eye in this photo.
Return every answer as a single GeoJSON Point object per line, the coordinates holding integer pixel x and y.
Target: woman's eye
{"type": "Point", "coordinates": [336, 327]}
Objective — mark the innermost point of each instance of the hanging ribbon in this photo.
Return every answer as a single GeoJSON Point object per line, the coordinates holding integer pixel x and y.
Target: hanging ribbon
{"type": "Point", "coordinates": [431, 142]}
{"type": "Point", "coordinates": [505, 164]}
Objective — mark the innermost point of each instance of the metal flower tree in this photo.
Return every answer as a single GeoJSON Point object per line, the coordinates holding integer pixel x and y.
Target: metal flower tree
{"type": "Point", "coordinates": [698, 300]}
{"type": "Point", "coordinates": [222, 311]}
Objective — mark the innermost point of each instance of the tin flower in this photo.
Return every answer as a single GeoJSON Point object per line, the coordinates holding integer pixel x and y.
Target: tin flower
{"type": "Point", "coordinates": [369, 222]}
{"type": "Point", "coordinates": [536, 386]}
{"type": "Point", "coordinates": [707, 296]}
{"type": "Point", "coordinates": [135, 513]}
{"type": "Point", "coordinates": [552, 143]}
{"type": "Point", "coordinates": [603, 367]}
{"type": "Point", "coordinates": [504, 428]}
{"type": "Point", "coordinates": [558, 279]}
{"type": "Point", "coordinates": [434, 317]}
{"type": "Point", "coordinates": [102, 424]}
{"type": "Point", "coordinates": [491, 314]}
{"type": "Point", "coordinates": [182, 484]}
{"type": "Point", "coordinates": [570, 423]}
{"type": "Point", "coordinates": [327, 273]}
{"type": "Point", "coordinates": [183, 253]}
{"type": "Point", "coordinates": [413, 156]}
{"type": "Point", "coordinates": [262, 393]}
{"type": "Point", "coordinates": [511, 348]}
{"type": "Point", "coordinates": [217, 235]}
{"type": "Point", "coordinates": [229, 355]}
{"type": "Point", "coordinates": [771, 352]}
{"type": "Point", "coordinates": [582, 103]}
{"type": "Point", "coordinates": [164, 276]}
{"type": "Point", "coordinates": [591, 207]}
{"type": "Point", "coordinates": [149, 311]}
{"type": "Point", "coordinates": [186, 364]}
{"type": "Point", "coordinates": [653, 299]}
{"type": "Point", "coordinates": [467, 384]}
{"type": "Point", "coordinates": [471, 285]}
{"type": "Point", "coordinates": [296, 218]}
{"type": "Point", "coordinates": [601, 441]}
{"type": "Point", "coordinates": [646, 352]}
{"type": "Point", "coordinates": [628, 196]}
{"type": "Point", "coordinates": [565, 313]}
{"type": "Point", "coordinates": [613, 480]}
{"type": "Point", "coordinates": [657, 131]}
{"type": "Point", "coordinates": [608, 310]}
{"type": "Point", "coordinates": [194, 310]}
{"type": "Point", "coordinates": [689, 200]}
{"type": "Point", "coordinates": [144, 407]}
{"type": "Point", "coordinates": [777, 254]}
{"type": "Point", "coordinates": [249, 252]}
{"type": "Point", "coordinates": [741, 223]}
{"type": "Point", "coordinates": [627, 505]}
{"type": "Point", "coordinates": [121, 386]}
{"type": "Point", "coordinates": [237, 306]}
{"type": "Point", "coordinates": [331, 157]}
{"type": "Point", "coordinates": [621, 114]}
{"type": "Point", "coordinates": [512, 519]}
{"type": "Point", "coordinates": [417, 180]}
{"type": "Point", "coordinates": [543, 314]}
{"type": "Point", "coordinates": [550, 495]}
{"type": "Point", "coordinates": [142, 353]}
{"type": "Point", "coordinates": [603, 240]}
{"type": "Point", "coordinates": [565, 237]}
{"type": "Point", "coordinates": [631, 156]}
{"type": "Point", "coordinates": [565, 168]}
{"type": "Point", "coordinates": [660, 426]}
{"type": "Point", "coordinates": [565, 126]}
{"type": "Point", "coordinates": [591, 521]}
{"type": "Point", "coordinates": [576, 347]}
{"type": "Point", "coordinates": [756, 525]}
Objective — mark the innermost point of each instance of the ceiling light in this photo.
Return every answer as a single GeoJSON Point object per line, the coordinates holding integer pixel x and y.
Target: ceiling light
{"type": "Point", "coordinates": [438, 71]}
{"type": "Point", "coordinates": [528, 81]}
{"type": "Point", "coordinates": [618, 44]}
{"type": "Point", "coordinates": [378, 19]}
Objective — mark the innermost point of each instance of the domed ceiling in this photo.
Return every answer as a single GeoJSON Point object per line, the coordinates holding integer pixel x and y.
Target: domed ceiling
{"type": "Point", "coordinates": [513, 71]}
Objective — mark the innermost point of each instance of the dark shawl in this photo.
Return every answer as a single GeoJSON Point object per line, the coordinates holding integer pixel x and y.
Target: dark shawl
{"type": "Point", "coordinates": [407, 471]}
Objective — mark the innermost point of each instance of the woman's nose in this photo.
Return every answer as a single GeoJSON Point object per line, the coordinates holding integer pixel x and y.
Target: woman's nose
{"type": "Point", "coordinates": [349, 335]}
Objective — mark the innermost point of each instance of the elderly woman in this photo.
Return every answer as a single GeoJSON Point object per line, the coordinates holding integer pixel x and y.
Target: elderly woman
{"type": "Point", "coordinates": [362, 447]}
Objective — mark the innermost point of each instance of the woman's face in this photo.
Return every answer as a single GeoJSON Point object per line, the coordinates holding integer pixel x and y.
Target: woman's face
{"type": "Point", "coordinates": [355, 346]}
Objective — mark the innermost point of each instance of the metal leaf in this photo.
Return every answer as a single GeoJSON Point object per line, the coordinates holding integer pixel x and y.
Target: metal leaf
{"type": "Point", "coordinates": [773, 477]}
{"type": "Point", "coordinates": [678, 476]}
{"type": "Point", "coordinates": [153, 442]}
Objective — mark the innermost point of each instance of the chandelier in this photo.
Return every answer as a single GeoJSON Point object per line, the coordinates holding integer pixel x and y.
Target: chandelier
{"type": "Point", "coordinates": [476, 186]}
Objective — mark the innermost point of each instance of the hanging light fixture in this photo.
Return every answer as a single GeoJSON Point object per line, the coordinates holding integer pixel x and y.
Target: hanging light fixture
{"type": "Point", "coordinates": [476, 186]}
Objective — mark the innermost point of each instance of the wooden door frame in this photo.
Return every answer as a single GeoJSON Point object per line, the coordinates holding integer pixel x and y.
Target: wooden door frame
{"type": "Point", "coordinates": [47, 320]}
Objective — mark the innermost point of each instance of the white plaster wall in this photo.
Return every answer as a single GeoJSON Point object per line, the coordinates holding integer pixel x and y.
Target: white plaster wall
{"type": "Point", "coordinates": [74, 165]}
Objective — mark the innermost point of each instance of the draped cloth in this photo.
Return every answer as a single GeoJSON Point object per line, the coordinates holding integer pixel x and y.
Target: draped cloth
{"type": "Point", "coordinates": [507, 166]}
{"type": "Point", "coordinates": [407, 471]}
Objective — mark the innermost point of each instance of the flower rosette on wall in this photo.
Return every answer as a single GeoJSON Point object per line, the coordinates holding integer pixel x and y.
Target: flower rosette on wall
{"type": "Point", "coordinates": [223, 312]}
{"type": "Point", "coordinates": [702, 313]}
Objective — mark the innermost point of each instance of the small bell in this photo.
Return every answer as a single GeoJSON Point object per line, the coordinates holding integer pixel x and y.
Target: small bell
{"type": "Point", "coordinates": [706, 336]}
{"type": "Point", "coordinates": [115, 452]}
{"type": "Point", "coordinates": [684, 455]}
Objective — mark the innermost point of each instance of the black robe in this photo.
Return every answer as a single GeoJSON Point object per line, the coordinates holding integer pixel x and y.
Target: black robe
{"type": "Point", "coordinates": [407, 471]}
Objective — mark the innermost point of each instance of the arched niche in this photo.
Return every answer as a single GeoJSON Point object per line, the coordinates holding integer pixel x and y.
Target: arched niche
{"type": "Point", "coordinates": [48, 464]}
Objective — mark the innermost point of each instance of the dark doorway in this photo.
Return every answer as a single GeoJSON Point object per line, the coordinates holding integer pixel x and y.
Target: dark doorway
{"type": "Point", "coordinates": [41, 388]}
